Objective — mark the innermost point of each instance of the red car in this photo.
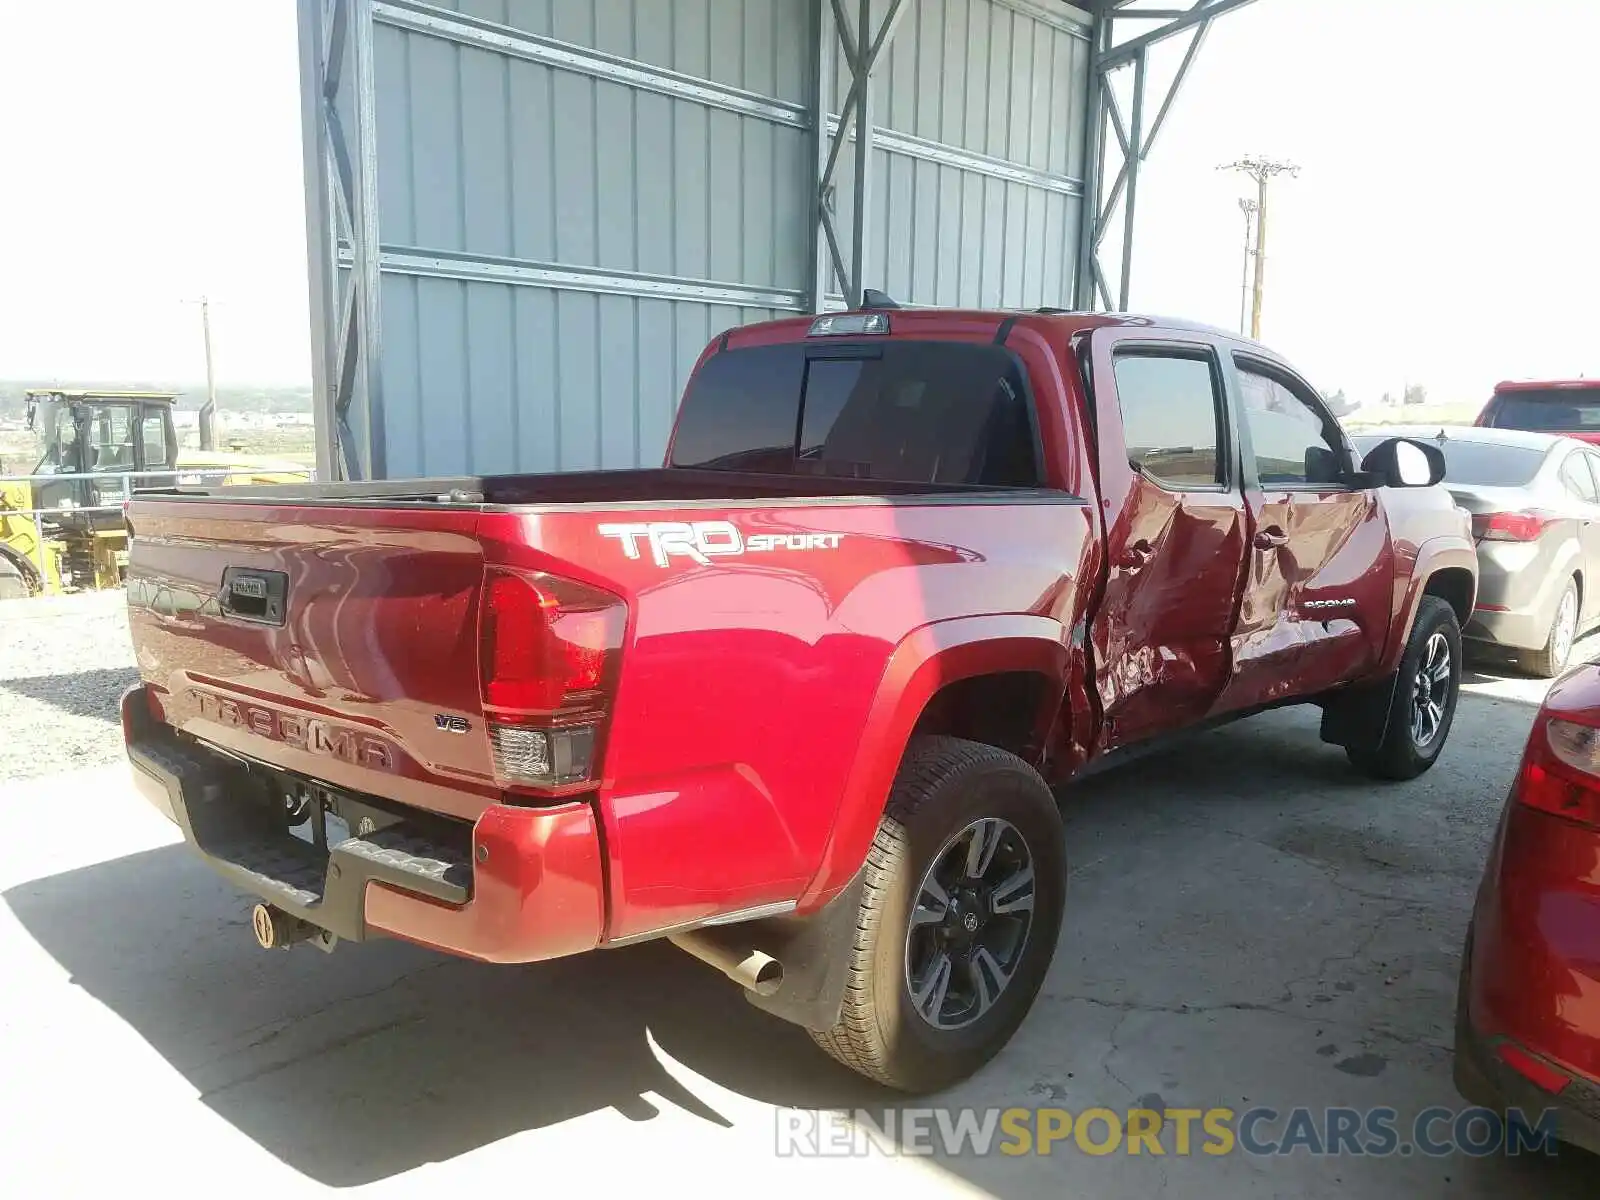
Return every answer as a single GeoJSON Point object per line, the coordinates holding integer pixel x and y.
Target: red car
{"type": "Point", "coordinates": [1565, 406]}
{"type": "Point", "coordinates": [793, 700]}
{"type": "Point", "coordinates": [1528, 1017]}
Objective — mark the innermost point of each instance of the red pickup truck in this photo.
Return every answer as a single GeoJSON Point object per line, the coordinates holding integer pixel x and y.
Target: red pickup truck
{"type": "Point", "coordinates": [797, 699]}
{"type": "Point", "coordinates": [1570, 407]}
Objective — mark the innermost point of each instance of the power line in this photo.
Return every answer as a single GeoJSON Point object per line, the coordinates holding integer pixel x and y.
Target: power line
{"type": "Point", "coordinates": [1261, 170]}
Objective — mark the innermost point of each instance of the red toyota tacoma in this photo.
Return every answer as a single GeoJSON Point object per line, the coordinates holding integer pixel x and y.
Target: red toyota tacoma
{"type": "Point", "coordinates": [796, 700]}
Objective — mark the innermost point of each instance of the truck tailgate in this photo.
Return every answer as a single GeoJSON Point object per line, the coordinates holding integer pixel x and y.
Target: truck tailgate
{"type": "Point", "coordinates": [338, 643]}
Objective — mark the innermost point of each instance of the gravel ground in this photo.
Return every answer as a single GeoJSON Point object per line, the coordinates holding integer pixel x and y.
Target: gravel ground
{"type": "Point", "coordinates": [64, 663]}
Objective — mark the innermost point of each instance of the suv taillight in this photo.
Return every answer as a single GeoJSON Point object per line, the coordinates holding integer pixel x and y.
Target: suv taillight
{"type": "Point", "coordinates": [1561, 771]}
{"type": "Point", "coordinates": [1511, 526]}
{"type": "Point", "coordinates": [548, 654]}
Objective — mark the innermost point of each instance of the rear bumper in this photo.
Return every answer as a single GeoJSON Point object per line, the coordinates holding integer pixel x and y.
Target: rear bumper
{"type": "Point", "coordinates": [530, 885]}
{"type": "Point", "coordinates": [1512, 630]}
{"type": "Point", "coordinates": [1486, 1081]}
{"type": "Point", "coordinates": [1519, 586]}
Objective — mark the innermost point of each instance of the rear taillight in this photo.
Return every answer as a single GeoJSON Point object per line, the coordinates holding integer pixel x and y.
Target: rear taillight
{"type": "Point", "coordinates": [1561, 771]}
{"type": "Point", "coordinates": [548, 652]}
{"type": "Point", "coordinates": [1511, 526]}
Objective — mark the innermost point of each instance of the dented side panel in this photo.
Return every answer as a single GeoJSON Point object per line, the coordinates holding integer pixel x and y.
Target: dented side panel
{"type": "Point", "coordinates": [1314, 611]}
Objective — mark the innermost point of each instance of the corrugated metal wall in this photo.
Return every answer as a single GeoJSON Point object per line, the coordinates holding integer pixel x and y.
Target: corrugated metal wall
{"type": "Point", "coordinates": [575, 196]}
{"type": "Point", "coordinates": [978, 161]}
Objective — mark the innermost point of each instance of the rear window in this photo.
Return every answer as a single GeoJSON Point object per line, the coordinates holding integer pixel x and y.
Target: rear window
{"type": "Point", "coordinates": [1480, 464]}
{"type": "Point", "coordinates": [903, 411]}
{"type": "Point", "coordinates": [1556, 409]}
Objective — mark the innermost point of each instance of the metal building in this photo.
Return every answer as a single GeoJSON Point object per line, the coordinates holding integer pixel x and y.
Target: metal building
{"type": "Point", "coordinates": [527, 217]}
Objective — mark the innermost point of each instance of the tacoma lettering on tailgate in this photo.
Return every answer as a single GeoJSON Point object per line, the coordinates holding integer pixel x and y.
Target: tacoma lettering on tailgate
{"type": "Point", "coordinates": [311, 734]}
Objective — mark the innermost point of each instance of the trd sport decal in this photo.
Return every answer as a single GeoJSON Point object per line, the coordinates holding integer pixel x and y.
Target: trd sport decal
{"type": "Point", "coordinates": [702, 541]}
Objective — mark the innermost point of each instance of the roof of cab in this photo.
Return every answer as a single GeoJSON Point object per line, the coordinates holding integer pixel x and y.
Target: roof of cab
{"type": "Point", "coordinates": [1073, 320]}
{"type": "Point", "coordinates": [1546, 385]}
{"type": "Point", "coordinates": [98, 394]}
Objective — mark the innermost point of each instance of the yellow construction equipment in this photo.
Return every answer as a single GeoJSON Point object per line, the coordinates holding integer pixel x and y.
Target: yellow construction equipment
{"type": "Point", "coordinates": [81, 542]}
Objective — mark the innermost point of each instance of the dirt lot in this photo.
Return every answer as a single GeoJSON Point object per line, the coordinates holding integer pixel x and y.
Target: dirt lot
{"type": "Point", "coordinates": [1249, 924]}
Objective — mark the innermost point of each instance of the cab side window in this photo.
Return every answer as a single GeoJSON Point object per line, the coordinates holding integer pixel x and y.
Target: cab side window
{"type": "Point", "coordinates": [153, 435]}
{"type": "Point", "coordinates": [1291, 440]}
{"type": "Point", "coordinates": [1171, 421]}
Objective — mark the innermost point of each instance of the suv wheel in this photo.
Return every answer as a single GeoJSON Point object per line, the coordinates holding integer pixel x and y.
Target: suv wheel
{"type": "Point", "coordinates": [1422, 703]}
{"type": "Point", "coordinates": [961, 907]}
{"type": "Point", "coordinates": [1552, 660]}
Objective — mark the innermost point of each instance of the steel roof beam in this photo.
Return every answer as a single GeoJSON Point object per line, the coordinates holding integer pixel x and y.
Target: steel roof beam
{"type": "Point", "coordinates": [1125, 53]}
{"type": "Point", "coordinates": [1129, 141]}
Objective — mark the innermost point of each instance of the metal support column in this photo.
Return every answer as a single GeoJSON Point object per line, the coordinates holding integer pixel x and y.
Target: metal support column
{"type": "Point", "coordinates": [1130, 141]}
{"type": "Point", "coordinates": [860, 45]}
{"type": "Point", "coordinates": [336, 64]}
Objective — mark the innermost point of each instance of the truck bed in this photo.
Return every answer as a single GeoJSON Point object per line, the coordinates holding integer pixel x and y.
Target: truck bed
{"type": "Point", "coordinates": [740, 628]}
{"type": "Point", "coordinates": [656, 486]}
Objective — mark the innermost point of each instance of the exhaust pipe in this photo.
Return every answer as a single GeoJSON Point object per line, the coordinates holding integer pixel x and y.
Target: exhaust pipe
{"type": "Point", "coordinates": [723, 949]}
{"type": "Point", "coordinates": [277, 930]}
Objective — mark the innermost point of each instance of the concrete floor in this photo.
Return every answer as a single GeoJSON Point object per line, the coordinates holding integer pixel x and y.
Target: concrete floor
{"type": "Point", "coordinates": [1249, 923]}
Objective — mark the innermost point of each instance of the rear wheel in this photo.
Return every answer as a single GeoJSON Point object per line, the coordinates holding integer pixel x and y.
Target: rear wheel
{"type": "Point", "coordinates": [1552, 660]}
{"type": "Point", "coordinates": [960, 911]}
{"type": "Point", "coordinates": [1422, 703]}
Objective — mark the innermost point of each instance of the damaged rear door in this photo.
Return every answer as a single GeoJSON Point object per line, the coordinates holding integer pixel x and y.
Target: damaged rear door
{"type": "Point", "coordinates": [1176, 526]}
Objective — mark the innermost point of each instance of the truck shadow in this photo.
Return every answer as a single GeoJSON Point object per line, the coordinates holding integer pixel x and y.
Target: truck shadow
{"type": "Point", "coordinates": [360, 1065]}
{"type": "Point", "coordinates": [93, 693]}
{"type": "Point", "coordinates": [369, 1062]}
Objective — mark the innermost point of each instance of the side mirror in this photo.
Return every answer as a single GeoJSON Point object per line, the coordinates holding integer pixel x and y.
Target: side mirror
{"type": "Point", "coordinates": [1404, 462]}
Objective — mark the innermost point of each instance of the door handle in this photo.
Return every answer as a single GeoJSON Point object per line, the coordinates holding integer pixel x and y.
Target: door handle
{"type": "Point", "coordinates": [1136, 555]}
{"type": "Point", "coordinates": [1271, 538]}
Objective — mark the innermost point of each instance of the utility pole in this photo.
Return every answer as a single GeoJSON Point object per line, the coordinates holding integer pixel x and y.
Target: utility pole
{"type": "Point", "coordinates": [1261, 170]}
{"type": "Point", "coordinates": [1249, 208]}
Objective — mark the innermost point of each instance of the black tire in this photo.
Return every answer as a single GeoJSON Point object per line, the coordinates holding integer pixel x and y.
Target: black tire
{"type": "Point", "coordinates": [944, 788]}
{"type": "Point", "coordinates": [13, 583]}
{"type": "Point", "coordinates": [1554, 657]}
{"type": "Point", "coordinates": [1400, 755]}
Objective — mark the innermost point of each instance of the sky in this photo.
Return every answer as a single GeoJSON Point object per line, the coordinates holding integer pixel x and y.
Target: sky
{"type": "Point", "coordinates": [151, 155]}
{"type": "Point", "coordinates": [1442, 229]}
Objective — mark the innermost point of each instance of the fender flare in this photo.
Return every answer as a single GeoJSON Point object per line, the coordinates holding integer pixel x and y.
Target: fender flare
{"type": "Point", "coordinates": [1360, 714]}
{"type": "Point", "coordinates": [1434, 555]}
{"type": "Point", "coordinates": [926, 660]}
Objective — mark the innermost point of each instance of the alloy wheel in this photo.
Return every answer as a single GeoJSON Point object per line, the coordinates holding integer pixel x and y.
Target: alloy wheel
{"type": "Point", "coordinates": [1431, 691]}
{"type": "Point", "coordinates": [970, 925]}
{"type": "Point", "coordinates": [1566, 629]}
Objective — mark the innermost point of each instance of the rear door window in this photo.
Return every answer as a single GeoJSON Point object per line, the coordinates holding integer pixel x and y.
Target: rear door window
{"type": "Point", "coordinates": [1171, 417]}
{"type": "Point", "coordinates": [904, 411]}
